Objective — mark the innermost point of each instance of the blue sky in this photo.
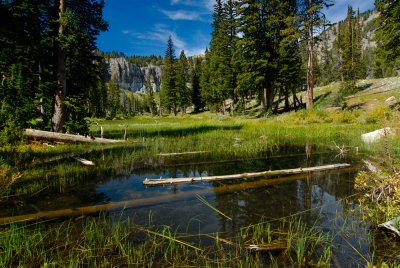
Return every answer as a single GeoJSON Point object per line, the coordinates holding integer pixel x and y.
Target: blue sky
{"type": "Point", "coordinates": [142, 27]}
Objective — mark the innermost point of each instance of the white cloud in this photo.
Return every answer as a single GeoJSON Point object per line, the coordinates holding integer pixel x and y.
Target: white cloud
{"type": "Point", "coordinates": [208, 4]}
{"type": "Point", "coordinates": [338, 12]}
{"type": "Point", "coordinates": [160, 34]}
{"type": "Point", "coordinates": [181, 15]}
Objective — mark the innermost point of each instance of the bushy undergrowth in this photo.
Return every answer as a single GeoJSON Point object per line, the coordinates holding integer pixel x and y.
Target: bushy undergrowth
{"type": "Point", "coordinates": [381, 194]}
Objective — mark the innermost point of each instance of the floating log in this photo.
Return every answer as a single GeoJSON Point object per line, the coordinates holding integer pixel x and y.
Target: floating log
{"type": "Point", "coordinates": [54, 136]}
{"type": "Point", "coordinates": [183, 153]}
{"type": "Point", "coordinates": [115, 206]}
{"type": "Point", "coordinates": [243, 175]}
{"type": "Point", "coordinates": [84, 161]}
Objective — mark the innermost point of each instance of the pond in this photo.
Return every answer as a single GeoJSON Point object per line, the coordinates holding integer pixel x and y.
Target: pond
{"type": "Point", "coordinates": [325, 200]}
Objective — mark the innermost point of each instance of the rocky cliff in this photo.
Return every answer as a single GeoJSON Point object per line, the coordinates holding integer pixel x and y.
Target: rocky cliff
{"type": "Point", "coordinates": [132, 77]}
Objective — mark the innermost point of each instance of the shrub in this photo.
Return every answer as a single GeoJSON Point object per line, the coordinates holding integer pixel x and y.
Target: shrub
{"type": "Point", "coordinates": [378, 114]}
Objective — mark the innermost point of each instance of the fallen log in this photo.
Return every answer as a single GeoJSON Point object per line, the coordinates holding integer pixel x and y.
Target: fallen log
{"type": "Point", "coordinates": [115, 206]}
{"type": "Point", "coordinates": [84, 161]}
{"type": "Point", "coordinates": [150, 182]}
{"type": "Point", "coordinates": [183, 153]}
{"type": "Point", "coordinates": [54, 136]}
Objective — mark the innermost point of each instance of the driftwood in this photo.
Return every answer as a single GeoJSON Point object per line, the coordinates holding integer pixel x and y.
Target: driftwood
{"type": "Point", "coordinates": [54, 136]}
{"type": "Point", "coordinates": [183, 153]}
{"type": "Point", "coordinates": [243, 175]}
{"type": "Point", "coordinates": [84, 161]}
{"type": "Point", "coordinates": [115, 206]}
{"type": "Point", "coordinates": [277, 245]}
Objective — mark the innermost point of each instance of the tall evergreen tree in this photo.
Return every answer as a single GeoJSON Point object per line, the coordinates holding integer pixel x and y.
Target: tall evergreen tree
{"type": "Point", "coordinates": [168, 86]}
{"type": "Point", "coordinates": [205, 85]}
{"type": "Point", "coordinates": [150, 102]}
{"type": "Point", "coordinates": [195, 82]}
{"type": "Point", "coordinates": [388, 38]}
{"type": "Point", "coordinates": [183, 94]}
{"type": "Point", "coordinates": [256, 48]}
{"type": "Point", "coordinates": [223, 74]}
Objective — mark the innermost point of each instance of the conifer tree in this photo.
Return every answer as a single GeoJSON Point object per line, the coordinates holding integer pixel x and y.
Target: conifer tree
{"type": "Point", "coordinates": [150, 102]}
{"type": "Point", "coordinates": [205, 85]}
{"type": "Point", "coordinates": [168, 86]}
{"type": "Point", "coordinates": [195, 82]}
{"type": "Point", "coordinates": [387, 37]}
{"type": "Point", "coordinates": [223, 76]}
{"type": "Point", "coordinates": [183, 94]}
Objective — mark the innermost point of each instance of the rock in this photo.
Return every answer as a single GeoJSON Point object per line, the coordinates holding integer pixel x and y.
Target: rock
{"type": "Point", "coordinates": [376, 135]}
{"type": "Point", "coordinates": [392, 101]}
{"type": "Point", "coordinates": [132, 77]}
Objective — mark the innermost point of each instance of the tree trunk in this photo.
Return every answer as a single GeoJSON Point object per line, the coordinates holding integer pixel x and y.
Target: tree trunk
{"type": "Point", "coordinates": [61, 90]}
{"type": "Point", "coordinates": [263, 97]}
{"type": "Point", "coordinates": [310, 66]}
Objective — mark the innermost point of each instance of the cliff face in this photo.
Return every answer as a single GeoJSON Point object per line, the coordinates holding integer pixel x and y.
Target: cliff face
{"type": "Point", "coordinates": [132, 77]}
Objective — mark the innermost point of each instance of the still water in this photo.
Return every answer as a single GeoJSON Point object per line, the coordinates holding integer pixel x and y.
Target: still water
{"type": "Point", "coordinates": [323, 199]}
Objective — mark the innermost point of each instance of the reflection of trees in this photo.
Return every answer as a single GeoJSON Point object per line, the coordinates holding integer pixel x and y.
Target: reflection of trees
{"type": "Point", "coordinates": [247, 206]}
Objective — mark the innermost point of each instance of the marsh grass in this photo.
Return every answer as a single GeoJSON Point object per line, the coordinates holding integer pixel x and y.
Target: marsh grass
{"type": "Point", "coordinates": [110, 242]}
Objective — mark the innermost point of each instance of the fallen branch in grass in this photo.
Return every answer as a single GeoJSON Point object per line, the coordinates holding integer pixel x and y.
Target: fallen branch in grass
{"type": "Point", "coordinates": [84, 161]}
{"type": "Point", "coordinates": [278, 245]}
{"type": "Point", "coordinates": [243, 175]}
{"type": "Point", "coordinates": [183, 153]}
{"type": "Point", "coordinates": [54, 136]}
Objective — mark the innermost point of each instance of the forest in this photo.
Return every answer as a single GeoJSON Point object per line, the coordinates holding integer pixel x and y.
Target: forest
{"type": "Point", "coordinates": [54, 75]}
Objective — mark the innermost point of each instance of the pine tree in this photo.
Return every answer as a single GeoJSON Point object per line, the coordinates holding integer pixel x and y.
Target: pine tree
{"type": "Point", "coordinates": [348, 45]}
{"type": "Point", "coordinates": [205, 85]}
{"type": "Point", "coordinates": [183, 93]}
{"type": "Point", "coordinates": [168, 86]}
{"type": "Point", "coordinates": [387, 37]}
{"type": "Point", "coordinates": [150, 102]}
{"type": "Point", "coordinates": [256, 48]}
{"type": "Point", "coordinates": [195, 82]}
{"type": "Point", "coordinates": [223, 75]}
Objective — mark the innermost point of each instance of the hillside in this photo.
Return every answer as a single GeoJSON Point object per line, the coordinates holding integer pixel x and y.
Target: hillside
{"type": "Point", "coordinates": [372, 93]}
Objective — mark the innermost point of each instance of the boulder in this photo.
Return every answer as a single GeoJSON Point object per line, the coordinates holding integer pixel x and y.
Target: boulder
{"type": "Point", "coordinates": [392, 102]}
{"type": "Point", "coordinates": [376, 135]}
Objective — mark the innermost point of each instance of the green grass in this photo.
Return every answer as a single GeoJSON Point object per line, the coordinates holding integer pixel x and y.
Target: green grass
{"type": "Point", "coordinates": [105, 242]}
{"type": "Point", "coordinates": [101, 242]}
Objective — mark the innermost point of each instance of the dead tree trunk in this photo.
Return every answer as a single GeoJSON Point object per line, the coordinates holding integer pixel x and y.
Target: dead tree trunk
{"type": "Point", "coordinates": [310, 64]}
{"type": "Point", "coordinates": [59, 112]}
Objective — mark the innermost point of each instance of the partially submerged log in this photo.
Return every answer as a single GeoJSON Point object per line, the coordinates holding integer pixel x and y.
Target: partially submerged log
{"type": "Point", "coordinates": [243, 175]}
{"type": "Point", "coordinates": [115, 206]}
{"type": "Point", "coordinates": [54, 136]}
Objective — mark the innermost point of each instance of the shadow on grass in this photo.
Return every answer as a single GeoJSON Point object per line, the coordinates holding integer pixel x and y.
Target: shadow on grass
{"type": "Point", "coordinates": [364, 87]}
{"type": "Point", "coordinates": [173, 132]}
